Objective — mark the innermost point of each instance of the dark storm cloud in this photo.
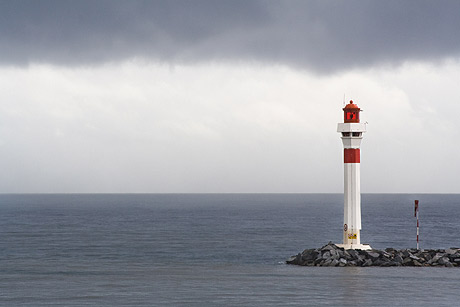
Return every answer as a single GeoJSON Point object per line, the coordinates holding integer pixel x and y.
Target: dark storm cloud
{"type": "Point", "coordinates": [319, 35]}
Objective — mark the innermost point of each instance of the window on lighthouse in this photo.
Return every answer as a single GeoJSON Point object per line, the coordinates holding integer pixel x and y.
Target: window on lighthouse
{"type": "Point", "coordinates": [351, 115]}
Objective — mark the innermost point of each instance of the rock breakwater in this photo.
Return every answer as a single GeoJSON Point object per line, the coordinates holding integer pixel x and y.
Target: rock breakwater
{"type": "Point", "coordinates": [331, 255]}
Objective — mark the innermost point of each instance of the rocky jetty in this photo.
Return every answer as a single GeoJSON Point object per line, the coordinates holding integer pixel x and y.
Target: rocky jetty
{"type": "Point", "coordinates": [332, 255]}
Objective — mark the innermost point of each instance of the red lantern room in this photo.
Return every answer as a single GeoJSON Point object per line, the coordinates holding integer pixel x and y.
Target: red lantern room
{"type": "Point", "coordinates": [351, 113]}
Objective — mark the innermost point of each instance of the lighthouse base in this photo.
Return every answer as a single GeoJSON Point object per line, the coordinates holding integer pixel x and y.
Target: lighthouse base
{"type": "Point", "coordinates": [355, 246]}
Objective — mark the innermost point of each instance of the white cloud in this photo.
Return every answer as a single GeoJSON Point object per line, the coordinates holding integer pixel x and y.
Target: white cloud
{"type": "Point", "coordinates": [140, 127]}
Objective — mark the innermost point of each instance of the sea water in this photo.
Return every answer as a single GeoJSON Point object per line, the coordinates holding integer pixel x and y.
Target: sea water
{"type": "Point", "coordinates": [215, 250]}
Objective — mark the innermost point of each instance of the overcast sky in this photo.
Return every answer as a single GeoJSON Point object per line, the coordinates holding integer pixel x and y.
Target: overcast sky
{"type": "Point", "coordinates": [227, 96]}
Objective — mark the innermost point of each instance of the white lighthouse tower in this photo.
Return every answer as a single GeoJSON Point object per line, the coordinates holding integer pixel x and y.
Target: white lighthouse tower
{"type": "Point", "coordinates": [352, 133]}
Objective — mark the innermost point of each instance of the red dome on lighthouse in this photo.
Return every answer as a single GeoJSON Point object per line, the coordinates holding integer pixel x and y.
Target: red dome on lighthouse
{"type": "Point", "coordinates": [351, 113]}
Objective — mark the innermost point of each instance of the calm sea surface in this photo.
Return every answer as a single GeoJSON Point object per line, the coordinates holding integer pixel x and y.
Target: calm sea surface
{"type": "Point", "coordinates": [215, 250]}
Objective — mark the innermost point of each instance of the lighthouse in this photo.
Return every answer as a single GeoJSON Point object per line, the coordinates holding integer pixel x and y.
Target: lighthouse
{"type": "Point", "coordinates": [351, 131]}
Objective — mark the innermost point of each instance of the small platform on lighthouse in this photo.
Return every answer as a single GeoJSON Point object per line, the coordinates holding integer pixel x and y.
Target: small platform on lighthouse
{"type": "Point", "coordinates": [355, 246]}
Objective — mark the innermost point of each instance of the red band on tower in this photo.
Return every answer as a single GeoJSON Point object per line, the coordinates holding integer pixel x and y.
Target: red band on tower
{"type": "Point", "coordinates": [351, 155]}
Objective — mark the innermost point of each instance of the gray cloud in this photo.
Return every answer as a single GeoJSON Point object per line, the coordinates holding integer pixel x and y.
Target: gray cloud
{"type": "Point", "coordinates": [323, 36]}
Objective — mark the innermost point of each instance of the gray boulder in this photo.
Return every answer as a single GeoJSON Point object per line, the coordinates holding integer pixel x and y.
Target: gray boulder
{"type": "Point", "coordinates": [443, 260]}
{"type": "Point", "coordinates": [373, 255]}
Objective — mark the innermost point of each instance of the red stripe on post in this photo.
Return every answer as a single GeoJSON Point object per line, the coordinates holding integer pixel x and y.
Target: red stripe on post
{"type": "Point", "coordinates": [351, 155]}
